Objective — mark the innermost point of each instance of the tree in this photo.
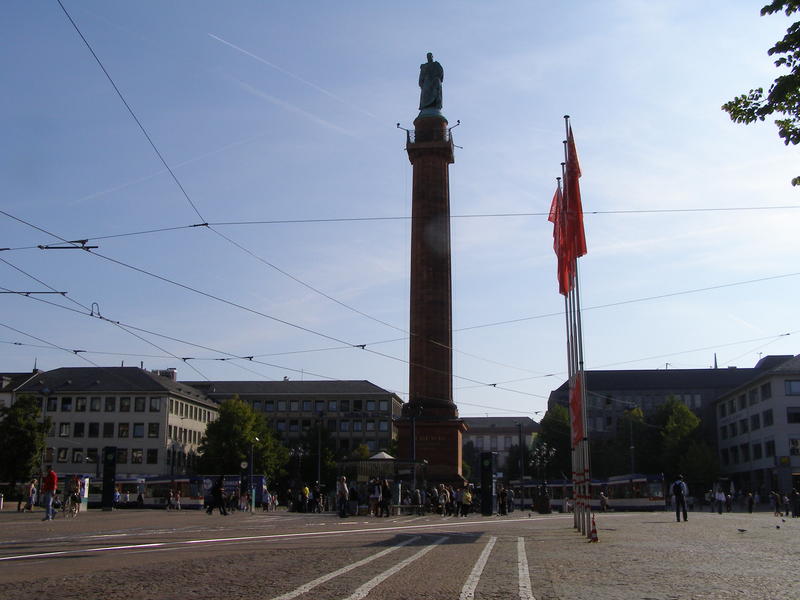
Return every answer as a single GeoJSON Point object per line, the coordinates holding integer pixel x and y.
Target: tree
{"type": "Point", "coordinates": [700, 466]}
{"type": "Point", "coordinates": [783, 97]}
{"type": "Point", "coordinates": [679, 426]}
{"type": "Point", "coordinates": [554, 430]}
{"type": "Point", "coordinates": [229, 440]}
{"type": "Point", "coordinates": [22, 435]}
{"type": "Point", "coordinates": [313, 439]}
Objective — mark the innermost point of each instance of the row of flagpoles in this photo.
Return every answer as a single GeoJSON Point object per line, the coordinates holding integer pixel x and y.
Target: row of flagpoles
{"type": "Point", "coordinates": [569, 243]}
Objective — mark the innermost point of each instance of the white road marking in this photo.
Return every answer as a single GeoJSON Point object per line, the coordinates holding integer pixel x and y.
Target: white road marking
{"type": "Point", "coordinates": [276, 536]}
{"type": "Point", "coordinates": [320, 580]}
{"type": "Point", "coordinates": [468, 591]}
{"type": "Point", "coordinates": [365, 589]}
{"type": "Point", "coordinates": [525, 592]}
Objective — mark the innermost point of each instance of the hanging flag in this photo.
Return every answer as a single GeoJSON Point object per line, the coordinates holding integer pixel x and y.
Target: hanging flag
{"type": "Point", "coordinates": [572, 200]}
{"type": "Point", "coordinates": [576, 410]}
{"type": "Point", "coordinates": [560, 246]}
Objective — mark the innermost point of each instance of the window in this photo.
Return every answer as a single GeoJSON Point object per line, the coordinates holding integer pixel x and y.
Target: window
{"type": "Point", "coordinates": [280, 426]}
{"type": "Point", "coordinates": [66, 404]}
{"type": "Point", "coordinates": [136, 456]}
{"type": "Point", "coordinates": [766, 391]}
{"type": "Point", "coordinates": [757, 451]}
{"type": "Point", "coordinates": [384, 426]}
{"type": "Point", "coordinates": [743, 426]}
{"type": "Point", "coordinates": [793, 414]}
{"type": "Point", "coordinates": [94, 430]}
{"type": "Point", "coordinates": [123, 430]}
{"type": "Point", "coordinates": [792, 387]}
{"type": "Point", "coordinates": [722, 409]}
{"type": "Point", "coordinates": [383, 405]}
{"type": "Point", "coordinates": [152, 456]}
{"type": "Point", "coordinates": [62, 455]}
{"type": "Point", "coordinates": [77, 455]}
{"type": "Point", "coordinates": [742, 402]}
{"type": "Point", "coordinates": [731, 406]}
{"type": "Point", "coordinates": [294, 426]}
{"type": "Point", "coordinates": [80, 404]}
{"type": "Point", "coordinates": [752, 396]}
{"type": "Point", "coordinates": [52, 431]}
{"type": "Point", "coordinates": [91, 455]}
{"type": "Point", "coordinates": [372, 445]}
{"type": "Point", "coordinates": [138, 403]}
{"type": "Point", "coordinates": [723, 432]}
{"type": "Point", "coordinates": [305, 425]}
{"type": "Point", "coordinates": [319, 406]}
{"type": "Point", "coordinates": [506, 442]}
{"type": "Point", "coordinates": [152, 430]}
{"type": "Point", "coordinates": [77, 429]}
{"type": "Point", "coordinates": [63, 429]}
{"type": "Point", "coordinates": [766, 418]}
{"type": "Point", "coordinates": [370, 405]}
{"type": "Point", "coordinates": [794, 447]}
{"type": "Point", "coordinates": [125, 404]}
{"type": "Point", "coordinates": [306, 405]}
{"type": "Point", "coordinates": [108, 430]}
{"type": "Point", "coordinates": [732, 429]}
{"type": "Point", "coordinates": [281, 405]}
{"type": "Point", "coordinates": [755, 422]}
{"type": "Point", "coordinates": [493, 443]}
{"type": "Point", "coordinates": [257, 406]}
{"type": "Point", "coordinates": [94, 404]}
{"type": "Point", "coordinates": [370, 425]}
{"type": "Point", "coordinates": [332, 406]}
{"type": "Point", "coordinates": [769, 449]}
{"type": "Point", "coordinates": [269, 406]}
{"type": "Point", "coordinates": [344, 406]}
{"type": "Point", "coordinates": [111, 404]}
{"type": "Point", "coordinates": [357, 425]}
{"type": "Point", "coordinates": [331, 424]}
{"type": "Point", "coordinates": [48, 455]}
{"type": "Point", "coordinates": [122, 456]}
{"type": "Point", "coordinates": [735, 455]}
{"type": "Point", "coordinates": [52, 405]}
{"type": "Point", "coordinates": [744, 449]}
{"type": "Point", "coordinates": [155, 404]}
{"type": "Point", "coordinates": [344, 425]}
{"type": "Point", "coordinates": [138, 430]}
{"type": "Point", "coordinates": [294, 405]}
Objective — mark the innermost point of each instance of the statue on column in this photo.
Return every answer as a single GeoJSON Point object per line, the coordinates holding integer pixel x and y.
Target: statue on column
{"type": "Point", "coordinates": [431, 76]}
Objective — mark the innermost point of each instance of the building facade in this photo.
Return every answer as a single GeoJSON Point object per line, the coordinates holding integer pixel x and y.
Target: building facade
{"type": "Point", "coordinates": [353, 412]}
{"type": "Point", "coordinates": [155, 423]}
{"type": "Point", "coordinates": [609, 394]}
{"type": "Point", "coordinates": [758, 431]}
{"type": "Point", "coordinates": [499, 434]}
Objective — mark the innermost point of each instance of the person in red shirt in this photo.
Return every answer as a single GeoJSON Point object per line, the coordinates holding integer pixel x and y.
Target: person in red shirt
{"type": "Point", "coordinates": [49, 490]}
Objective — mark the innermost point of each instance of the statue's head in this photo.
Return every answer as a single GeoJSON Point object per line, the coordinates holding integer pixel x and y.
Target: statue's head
{"type": "Point", "coordinates": [430, 56]}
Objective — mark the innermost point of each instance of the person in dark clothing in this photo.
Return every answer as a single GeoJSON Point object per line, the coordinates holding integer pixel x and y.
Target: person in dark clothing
{"type": "Point", "coordinates": [386, 498]}
{"type": "Point", "coordinates": [218, 498]}
{"type": "Point", "coordinates": [680, 491]}
{"type": "Point", "coordinates": [502, 500]}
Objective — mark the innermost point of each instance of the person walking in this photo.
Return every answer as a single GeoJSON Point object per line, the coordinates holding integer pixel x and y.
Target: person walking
{"type": "Point", "coordinates": [386, 499]}
{"type": "Point", "coordinates": [342, 496]}
{"type": "Point", "coordinates": [680, 491]}
{"type": "Point", "coordinates": [719, 498]}
{"type": "Point", "coordinates": [750, 502]}
{"type": "Point", "coordinates": [49, 487]}
{"type": "Point", "coordinates": [218, 498]}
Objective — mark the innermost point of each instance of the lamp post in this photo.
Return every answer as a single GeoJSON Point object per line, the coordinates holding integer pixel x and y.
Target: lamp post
{"type": "Point", "coordinates": [521, 461]}
{"type": "Point", "coordinates": [252, 484]}
{"type": "Point", "coordinates": [320, 414]}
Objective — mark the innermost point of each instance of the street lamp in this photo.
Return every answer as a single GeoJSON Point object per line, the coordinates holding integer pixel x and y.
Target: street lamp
{"type": "Point", "coordinates": [521, 461]}
{"type": "Point", "coordinates": [252, 484]}
{"type": "Point", "coordinates": [320, 414]}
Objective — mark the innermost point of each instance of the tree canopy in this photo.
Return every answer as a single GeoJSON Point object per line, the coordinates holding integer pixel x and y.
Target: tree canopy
{"type": "Point", "coordinates": [22, 435]}
{"type": "Point", "coordinates": [783, 97]}
{"type": "Point", "coordinates": [229, 439]}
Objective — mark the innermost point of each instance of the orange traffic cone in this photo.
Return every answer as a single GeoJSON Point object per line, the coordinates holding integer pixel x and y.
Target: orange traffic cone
{"type": "Point", "coordinates": [593, 534]}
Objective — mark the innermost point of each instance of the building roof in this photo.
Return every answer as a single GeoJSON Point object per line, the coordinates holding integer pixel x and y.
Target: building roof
{"type": "Point", "coordinates": [790, 366]}
{"type": "Point", "coordinates": [528, 424]}
{"type": "Point", "coordinates": [289, 388]}
{"type": "Point", "coordinates": [105, 380]}
{"type": "Point", "coordinates": [10, 381]}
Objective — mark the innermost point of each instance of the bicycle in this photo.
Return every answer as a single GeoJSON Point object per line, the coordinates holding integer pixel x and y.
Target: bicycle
{"type": "Point", "coordinates": [71, 506]}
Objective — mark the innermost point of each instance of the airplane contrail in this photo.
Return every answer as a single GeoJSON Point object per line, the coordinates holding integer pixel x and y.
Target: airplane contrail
{"type": "Point", "coordinates": [293, 76]}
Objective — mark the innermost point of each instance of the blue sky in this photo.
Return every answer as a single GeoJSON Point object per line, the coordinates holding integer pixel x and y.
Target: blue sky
{"type": "Point", "coordinates": [286, 112]}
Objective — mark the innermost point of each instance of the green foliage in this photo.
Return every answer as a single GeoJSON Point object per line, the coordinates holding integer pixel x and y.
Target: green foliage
{"type": "Point", "coordinates": [554, 430]}
{"type": "Point", "coordinates": [22, 436]}
{"type": "Point", "coordinates": [229, 439]}
{"type": "Point", "coordinates": [313, 439]}
{"type": "Point", "coordinates": [360, 452]}
{"type": "Point", "coordinates": [511, 470]}
{"type": "Point", "coordinates": [699, 465]}
{"type": "Point", "coordinates": [783, 97]}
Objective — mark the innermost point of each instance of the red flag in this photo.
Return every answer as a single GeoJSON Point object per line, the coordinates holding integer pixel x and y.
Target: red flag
{"type": "Point", "coordinates": [560, 247]}
{"type": "Point", "coordinates": [576, 411]}
{"type": "Point", "coordinates": [572, 200]}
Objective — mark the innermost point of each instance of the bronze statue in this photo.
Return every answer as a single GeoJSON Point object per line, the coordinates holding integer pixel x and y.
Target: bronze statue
{"type": "Point", "coordinates": [431, 76]}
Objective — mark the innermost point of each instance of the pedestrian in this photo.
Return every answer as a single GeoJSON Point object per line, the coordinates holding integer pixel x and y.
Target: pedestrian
{"type": "Point", "coordinates": [680, 492]}
{"type": "Point", "coordinates": [502, 496]}
{"type": "Point", "coordinates": [750, 502]}
{"type": "Point", "coordinates": [603, 502]}
{"type": "Point", "coordinates": [776, 502]}
{"type": "Point", "coordinates": [218, 498]}
{"type": "Point", "coordinates": [466, 502]}
{"type": "Point", "coordinates": [342, 496]}
{"type": "Point", "coordinates": [31, 493]}
{"type": "Point", "coordinates": [386, 498]}
{"type": "Point", "coordinates": [49, 487]}
{"type": "Point", "coordinates": [169, 503]}
{"type": "Point", "coordinates": [177, 499]}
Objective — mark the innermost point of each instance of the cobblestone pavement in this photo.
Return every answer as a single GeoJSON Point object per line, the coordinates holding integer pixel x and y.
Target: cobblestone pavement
{"type": "Point", "coordinates": [182, 555]}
